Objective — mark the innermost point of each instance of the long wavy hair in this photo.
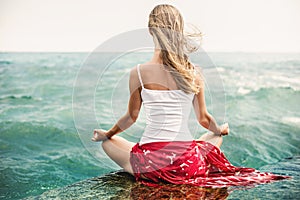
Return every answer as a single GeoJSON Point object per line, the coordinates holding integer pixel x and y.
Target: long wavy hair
{"type": "Point", "coordinates": [166, 25]}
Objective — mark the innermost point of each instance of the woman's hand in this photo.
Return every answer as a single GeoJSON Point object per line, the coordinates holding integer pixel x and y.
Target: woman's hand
{"type": "Point", "coordinates": [99, 135]}
{"type": "Point", "coordinates": [224, 129]}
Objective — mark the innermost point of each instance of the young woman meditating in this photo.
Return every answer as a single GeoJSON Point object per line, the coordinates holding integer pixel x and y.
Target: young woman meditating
{"type": "Point", "coordinates": [169, 86]}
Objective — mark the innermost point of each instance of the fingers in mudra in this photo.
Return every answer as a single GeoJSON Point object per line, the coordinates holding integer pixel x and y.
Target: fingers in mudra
{"type": "Point", "coordinates": [225, 129]}
{"type": "Point", "coordinates": [99, 135]}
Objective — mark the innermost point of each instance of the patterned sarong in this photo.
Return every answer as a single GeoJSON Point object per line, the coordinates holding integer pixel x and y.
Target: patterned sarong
{"type": "Point", "coordinates": [196, 163]}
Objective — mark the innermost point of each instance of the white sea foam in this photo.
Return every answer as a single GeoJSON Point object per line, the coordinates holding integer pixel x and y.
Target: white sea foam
{"type": "Point", "coordinates": [247, 82]}
{"type": "Point", "coordinates": [220, 69]}
{"type": "Point", "coordinates": [287, 79]}
{"type": "Point", "coordinates": [242, 90]}
{"type": "Point", "coordinates": [291, 120]}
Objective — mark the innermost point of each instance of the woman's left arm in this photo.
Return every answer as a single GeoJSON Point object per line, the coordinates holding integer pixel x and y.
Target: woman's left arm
{"type": "Point", "coordinates": [132, 113]}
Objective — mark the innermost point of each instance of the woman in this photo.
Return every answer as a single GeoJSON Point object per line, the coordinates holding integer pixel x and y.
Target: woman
{"type": "Point", "coordinates": [169, 86]}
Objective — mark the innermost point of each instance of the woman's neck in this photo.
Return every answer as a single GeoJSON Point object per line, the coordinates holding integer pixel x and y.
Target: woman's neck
{"type": "Point", "coordinates": [156, 57]}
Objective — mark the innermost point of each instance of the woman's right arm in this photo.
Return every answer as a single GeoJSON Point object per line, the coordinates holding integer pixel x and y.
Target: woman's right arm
{"type": "Point", "coordinates": [204, 118]}
{"type": "Point", "coordinates": [129, 118]}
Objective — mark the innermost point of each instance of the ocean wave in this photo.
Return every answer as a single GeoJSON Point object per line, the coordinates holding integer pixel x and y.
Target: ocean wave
{"type": "Point", "coordinates": [37, 156]}
{"type": "Point", "coordinates": [266, 90]}
{"type": "Point", "coordinates": [252, 79]}
{"type": "Point", "coordinates": [5, 62]}
{"type": "Point", "coordinates": [28, 97]}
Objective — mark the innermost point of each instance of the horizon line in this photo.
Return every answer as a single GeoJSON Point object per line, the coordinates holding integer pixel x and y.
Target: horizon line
{"type": "Point", "coordinates": [209, 51]}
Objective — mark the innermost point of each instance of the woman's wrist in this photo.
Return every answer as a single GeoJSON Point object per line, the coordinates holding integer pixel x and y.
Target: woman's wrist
{"type": "Point", "coordinates": [109, 134]}
{"type": "Point", "coordinates": [218, 131]}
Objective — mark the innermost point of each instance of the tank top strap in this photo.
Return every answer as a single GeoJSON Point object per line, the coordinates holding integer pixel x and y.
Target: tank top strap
{"type": "Point", "coordinates": [139, 74]}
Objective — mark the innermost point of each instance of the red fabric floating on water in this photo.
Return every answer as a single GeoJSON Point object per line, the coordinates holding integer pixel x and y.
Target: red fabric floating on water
{"type": "Point", "coordinates": [196, 163]}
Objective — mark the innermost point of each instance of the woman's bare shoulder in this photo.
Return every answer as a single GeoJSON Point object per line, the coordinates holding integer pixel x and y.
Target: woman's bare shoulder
{"type": "Point", "coordinates": [134, 82]}
{"type": "Point", "coordinates": [147, 68]}
{"type": "Point", "coordinates": [133, 72]}
{"type": "Point", "coordinates": [144, 69]}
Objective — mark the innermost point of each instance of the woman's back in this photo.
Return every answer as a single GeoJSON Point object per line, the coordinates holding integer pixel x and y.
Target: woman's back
{"type": "Point", "coordinates": [167, 108]}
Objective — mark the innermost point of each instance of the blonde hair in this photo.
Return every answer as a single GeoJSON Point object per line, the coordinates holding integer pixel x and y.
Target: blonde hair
{"type": "Point", "coordinates": [166, 26]}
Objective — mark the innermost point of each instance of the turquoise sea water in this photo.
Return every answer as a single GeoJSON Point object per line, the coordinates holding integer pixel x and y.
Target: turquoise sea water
{"type": "Point", "coordinates": [40, 148]}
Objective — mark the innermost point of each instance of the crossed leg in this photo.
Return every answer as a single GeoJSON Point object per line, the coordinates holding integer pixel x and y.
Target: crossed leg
{"type": "Point", "coordinates": [118, 149]}
{"type": "Point", "coordinates": [212, 138]}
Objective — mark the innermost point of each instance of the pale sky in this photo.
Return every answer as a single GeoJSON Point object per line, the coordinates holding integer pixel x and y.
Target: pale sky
{"type": "Point", "coordinates": [82, 25]}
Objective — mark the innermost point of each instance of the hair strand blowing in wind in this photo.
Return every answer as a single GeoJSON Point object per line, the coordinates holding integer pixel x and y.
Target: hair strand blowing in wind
{"type": "Point", "coordinates": [167, 28]}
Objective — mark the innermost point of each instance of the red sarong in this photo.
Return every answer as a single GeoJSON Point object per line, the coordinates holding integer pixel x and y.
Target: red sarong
{"type": "Point", "coordinates": [196, 163]}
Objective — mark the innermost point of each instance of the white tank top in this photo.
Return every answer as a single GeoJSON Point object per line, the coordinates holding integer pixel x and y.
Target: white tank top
{"type": "Point", "coordinates": [167, 114]}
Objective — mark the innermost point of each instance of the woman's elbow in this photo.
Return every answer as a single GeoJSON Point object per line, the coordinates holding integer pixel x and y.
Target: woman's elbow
{"type": "Point", "coordinates": [134, 116]}
{"type": "Point", "coordinates": [204, 120]}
